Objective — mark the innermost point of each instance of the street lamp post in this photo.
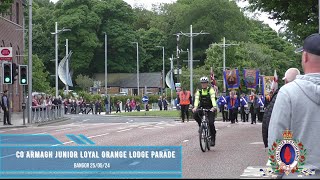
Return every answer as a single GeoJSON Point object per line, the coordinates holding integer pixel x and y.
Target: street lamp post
{"type": "Point", "coordinates": [106, 63]}
{"type": "Point", "coordinates": [163, 71]}
{"type": "Point", "coordinates": [137, 64]}
{"type": "Point", "coordinates": [56, 49]}
{"type": "Point", "coordinates": [30, 64]}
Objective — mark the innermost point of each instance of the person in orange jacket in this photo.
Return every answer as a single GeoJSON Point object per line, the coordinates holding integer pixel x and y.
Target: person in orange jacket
{"type": "Point", "coordinates": [184, 100]}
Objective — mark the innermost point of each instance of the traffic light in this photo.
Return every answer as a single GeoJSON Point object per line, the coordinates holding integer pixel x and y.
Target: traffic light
{"type": "Point", "coordinates": [14, 72]}
{"type": "Point", "coordinates": [23, 74]}
{"type": "Point", "coordinates": [7, 73]}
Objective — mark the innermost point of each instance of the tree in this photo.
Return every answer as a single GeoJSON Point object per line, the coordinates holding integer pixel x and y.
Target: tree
{"type": "Point", "coordinates": [40, 75]}
{"type": "Point", "coordinates": [84, 82]}
{"type": "Point", "coordinates": [300, 17]}
{"type": "Point", "coordinates": [4, 5]}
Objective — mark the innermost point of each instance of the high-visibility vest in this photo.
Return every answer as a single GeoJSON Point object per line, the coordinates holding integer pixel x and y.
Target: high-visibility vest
{"type": "Point", "coordinates": [184, 98]}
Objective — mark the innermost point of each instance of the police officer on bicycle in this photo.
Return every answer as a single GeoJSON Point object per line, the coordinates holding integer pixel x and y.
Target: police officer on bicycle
{"type": "Point", "coordinates": [205, 98]}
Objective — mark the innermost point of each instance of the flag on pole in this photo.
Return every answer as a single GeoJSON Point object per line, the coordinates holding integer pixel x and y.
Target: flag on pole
{"type": "Point", "coordinates": [213, 81]}
{"type": "Point", "coordinates": [274, 85]}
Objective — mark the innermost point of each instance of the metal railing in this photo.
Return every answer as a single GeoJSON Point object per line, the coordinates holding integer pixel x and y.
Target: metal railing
{"type": "Point", "coordinates": [41, 114]}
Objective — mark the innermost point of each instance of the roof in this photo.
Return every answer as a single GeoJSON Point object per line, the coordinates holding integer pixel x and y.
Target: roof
{"type": "Point", "coordinates": [129, 80]}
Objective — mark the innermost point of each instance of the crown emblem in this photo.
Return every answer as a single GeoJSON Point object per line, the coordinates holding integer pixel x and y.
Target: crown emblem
{"type": "Point", "coordinates": [287, 134]}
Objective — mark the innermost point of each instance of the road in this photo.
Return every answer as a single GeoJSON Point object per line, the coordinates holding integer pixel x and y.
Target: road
{"type": "Point", "coordinates": [238, 146]}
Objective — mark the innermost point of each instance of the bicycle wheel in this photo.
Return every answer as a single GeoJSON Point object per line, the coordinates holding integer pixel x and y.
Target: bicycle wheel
{"type": "Point", "coordinates": [202, 138]}
{"type": "Point", "coordinates": [208, 138]}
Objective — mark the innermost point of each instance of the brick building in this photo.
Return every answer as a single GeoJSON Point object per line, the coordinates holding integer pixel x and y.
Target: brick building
{"type": "Point", "coordinates": [127, 82]}
{"type": "Point", "coordinates": [11, 35]}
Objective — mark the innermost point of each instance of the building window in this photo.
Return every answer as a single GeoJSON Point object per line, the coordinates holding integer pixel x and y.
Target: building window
{"type": "Point", "coordinates": [17, 13]}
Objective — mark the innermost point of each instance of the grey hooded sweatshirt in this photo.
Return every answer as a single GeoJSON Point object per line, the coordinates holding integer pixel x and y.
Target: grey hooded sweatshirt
{"type": "Point", "coordinates": [297, 108]}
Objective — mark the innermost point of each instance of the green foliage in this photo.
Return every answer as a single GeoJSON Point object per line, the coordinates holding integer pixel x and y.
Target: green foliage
{"type": "Point", "coordinates": [300, 17]}
{"type": "Point", "coordinates": [4, 6]}
{"type": "Point", "coordinates": [84, 81]}
{"type": "Point", "coordinates": [260, 46]}
{"type": "Point", "coordinates": [40, 81]}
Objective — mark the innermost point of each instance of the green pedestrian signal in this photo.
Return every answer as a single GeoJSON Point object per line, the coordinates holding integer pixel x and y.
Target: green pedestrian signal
{"type": "Point", "coordinates": [23, 74]}
{"type": "Point", "coordinates": [7, 73]}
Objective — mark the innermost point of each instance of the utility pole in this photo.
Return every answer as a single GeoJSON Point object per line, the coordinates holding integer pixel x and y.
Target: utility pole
{"type": "Point", "coordinates": [30, 63]}
{"type": "Point", "coordinates": [137, 65]}
{"type": "Point", "coordinates": [106, 63]}
{"type": "Point", "coordinates": [171, 79]}
{"type": "Point", "coordinates": [178, 65]}
{"type": "Point", "coordinates": [224, 45]}
{"type": "Point", "coordinates": [191, 35]}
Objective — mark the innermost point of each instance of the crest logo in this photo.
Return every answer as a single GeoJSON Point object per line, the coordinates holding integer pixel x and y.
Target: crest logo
{"type": "Point", "coordinates": [287, 155]}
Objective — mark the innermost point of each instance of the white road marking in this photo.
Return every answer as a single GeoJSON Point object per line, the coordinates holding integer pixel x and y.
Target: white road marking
{"type": "Point", "coordinates": [257, 143]}
{"type": "Point", "coordinates": [85, 120]}
{"type": "Point", "coordinates": [98, 135]}
{"type": "Point", "coordinates": [143, 126]}
{"type": "Point", "coordinates": [158, 127]}
{"type": "Point", "coordinates": [185, 140]}
{"type": "Point", "coordinates": [62, 129]}
{"type": "Point", "coordinates": [150, 128]}
{"type": "Point", "coordinates": [125, 130]}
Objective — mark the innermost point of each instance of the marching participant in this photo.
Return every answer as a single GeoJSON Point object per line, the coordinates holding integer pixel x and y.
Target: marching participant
{"type": "Point", "coordinates": [232, 106]}
{"type": "Point", "coordinates": [261, 102]}
{"type": "Point", "coordinates": [244, 108]}
{"type": "Point", "coordinates": [223, 107]}
{"type": "Point", "coordinates": [254, 108]}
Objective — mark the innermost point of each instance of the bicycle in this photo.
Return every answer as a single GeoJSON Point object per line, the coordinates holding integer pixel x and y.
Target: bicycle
{"type": "Point", "coordinates": [204, 132]}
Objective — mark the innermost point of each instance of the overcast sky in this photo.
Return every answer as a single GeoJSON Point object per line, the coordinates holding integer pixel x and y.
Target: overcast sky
{"type": "Point", "coordinates": [148, 5]}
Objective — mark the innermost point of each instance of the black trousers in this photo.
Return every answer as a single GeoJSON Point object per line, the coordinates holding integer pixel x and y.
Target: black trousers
{"type": "Point", "coordinates": [236, 114]}
{"type": "Point", "coordinates": [224, 114]}
{"type": "Point", "coordinates": [160, 108]}
{"type": "Point", "coordinates": [254, 115]}
{"type": "Point", "coordinates": [232, 115]}
{"type": "Point", "coordinates": [198, 117]}
{"type": "Point", "coordinates": [98, 110]}
{"type": "Point", "coordinates": [6, 119]}
{"type": "Point", "coordinates": [244, 116]}
{"type": "Point", "coordinates": [260, 116]}
{"type": "Point", "coordinates": [184, 111]}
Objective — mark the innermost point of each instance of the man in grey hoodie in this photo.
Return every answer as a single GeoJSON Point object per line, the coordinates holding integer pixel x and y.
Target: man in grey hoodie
{"type": "Point", "coordinates": [297, 106]}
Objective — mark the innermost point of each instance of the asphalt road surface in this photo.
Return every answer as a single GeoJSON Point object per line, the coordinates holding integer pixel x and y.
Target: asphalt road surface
{"type": "Point", "coordinates": [238, 146]}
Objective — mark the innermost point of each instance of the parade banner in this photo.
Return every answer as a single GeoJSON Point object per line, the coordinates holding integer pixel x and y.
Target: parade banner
{"type": "Point", "coordinates": [44, 156]}
{"type": "Point", "coordinates": [266, 85]}
{"type": "Point", "coordinates": [232, 78]}
{"type": "Point", "coordinates": [251, 78]}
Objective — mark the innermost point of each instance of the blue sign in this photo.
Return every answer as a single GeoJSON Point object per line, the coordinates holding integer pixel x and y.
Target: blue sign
{"type": "Point", "coordinates": [59, 161]}
{"type": "Point", "coordinates": [145, 99]}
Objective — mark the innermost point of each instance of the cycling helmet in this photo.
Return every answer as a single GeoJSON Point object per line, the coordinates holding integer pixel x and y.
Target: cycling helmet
{"type": "Point", "coordinates": [204, 79]}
